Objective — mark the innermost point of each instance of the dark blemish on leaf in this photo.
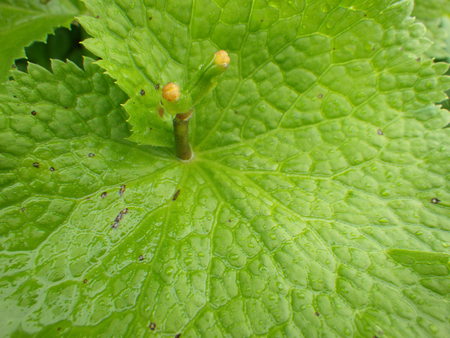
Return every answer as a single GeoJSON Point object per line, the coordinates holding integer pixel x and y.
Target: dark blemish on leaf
{"type": "Point", "coordinates": [34, 113]}
{"type": "Point", "coordinates": [435, 200]}
{"type": "Point", "coordinates": [150, 18]}
{"type": "Point", "coordinates": [320, 96]}
{"type": "Point", "coordinates": [317, 314]}
{"type": "Point", "coordinates": [91, 155]}
{"type": "Point", "coordinates": [157, 86]}
{"type": "Point", "coordinates": [52, 169]}
{"type": "Point", "coordinates": [122, 189]}
{"type": "Point", "coordinates": [36, 164]}
{"type": "Point", "coordinates": [178, 335]}
{"type": "Point", "coordinates": [58, 328]}
{"type": "Point", "coordinates": [152, 326]}
{"type": "Point", "coordinates": [11, 78]}
{"type": "Point", "coordinates": [85, 281]}
{"type": "Point", "coordinates": [229, 221]}
{"type": "Point", "coordinates": [118, 218]}
{"type": "Point", "coordinates": [175, 196]}
{"type": "Point", "coordinates": [375, 337]}
{"type": "Point", "coordinates": [104, 194]}
{"type": "Point", "coordinates": [23, 209]}
{"type": "Point", "coordinates": [15, 96]}
{"type": "Point", "coordinates": [142, 92]}
{"type": "Point", "coordinates": [141, 258]}
{"type": "Point", "coordinates": [97, 16]}
{"type": "Point", "coordinates": [161, 112]}
{"type": "Point", "coordinates": [380, 132]}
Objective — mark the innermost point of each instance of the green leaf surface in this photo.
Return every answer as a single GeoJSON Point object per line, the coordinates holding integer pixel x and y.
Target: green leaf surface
{"type": "Point", "coordinates": [317, 203]}
{"type": "Point", "coordinates": [25, 21]}
{"type": "Point", "coordinates": [435, 14]}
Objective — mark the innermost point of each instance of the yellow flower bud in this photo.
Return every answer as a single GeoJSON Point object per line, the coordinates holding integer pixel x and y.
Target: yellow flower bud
{"type": "Point", "coordinates": [221, 58]}
{"type": "Point", "coordinates": [171, 92]}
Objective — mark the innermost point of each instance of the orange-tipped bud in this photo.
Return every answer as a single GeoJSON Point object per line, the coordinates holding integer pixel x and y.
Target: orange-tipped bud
{"type": "Point", "coordinates": [171, 92]}
{"type": "Point", "coordinates": [221, 58]}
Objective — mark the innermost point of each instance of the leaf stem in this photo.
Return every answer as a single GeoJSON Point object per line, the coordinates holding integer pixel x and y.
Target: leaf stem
{"type": "Point", "coordinates": [181, 134]}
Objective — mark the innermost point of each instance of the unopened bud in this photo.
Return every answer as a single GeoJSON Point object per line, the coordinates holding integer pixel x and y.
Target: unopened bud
{"type": "Point", "coordinates": [221, 58]}
{"type": "Point", "coordinates": [171, 92]}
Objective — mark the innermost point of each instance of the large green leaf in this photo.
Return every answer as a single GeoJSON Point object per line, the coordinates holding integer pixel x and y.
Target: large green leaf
{"type": "Point", "coordinates": [25, 21]}
{"type": "Point", "coordinates": [316, 205]}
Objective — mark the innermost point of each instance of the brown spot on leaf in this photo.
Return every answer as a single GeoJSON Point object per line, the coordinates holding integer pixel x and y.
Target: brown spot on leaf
{"type": "Point", "coordinates": [157, 86]}
{"type": "Point", "coordinates": [178, 335]}
{"type": "Point", "coordinates": [142, 92]}
{"type": "Point", "coordinates": [141, 258]}
{"type": "Point", "coordinates": [122, 189]}
{"type": "Point", "coordinates": [85, 281]}
{"type": "Point", "coordinates": [91, 155]}
{"type": "Point", "coordinates": [435, 200]}
{"type": "Point", "coordinates": [380, 132]}
{"type": "Point", "coordinates": [175, 196]}
{"type": "Point", "coordinates": [36, 164]}
{"type": "Point", "coordinates": [104, 194]}
{"type": "Point", "coordinates": [161, 111]}
{"type": "Point", "coordinates": [52, 169]}
{"type": "Point", "coordinates": [34, 113]}
{"type": "Point", "coordinates": [317, 314]}
{"type": "Point", "coordinates": [118, 218]}
{"type": "Point", "coordinates": [152, 326]}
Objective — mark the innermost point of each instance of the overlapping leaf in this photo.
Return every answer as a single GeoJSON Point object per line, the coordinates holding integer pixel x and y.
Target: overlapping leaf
{"type": "Point", "coordinates": [317, 204]}
{"type": "Point", "coordinates": [25, 21]}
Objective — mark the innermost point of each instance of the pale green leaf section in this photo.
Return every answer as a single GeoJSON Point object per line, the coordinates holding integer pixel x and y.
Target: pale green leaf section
{"type": "Point", "coordinates": [25, 21]}
{"type": "Point", "coordinates": [317, 203]}
{"type": "Point", "coordinates": [435, 14]}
